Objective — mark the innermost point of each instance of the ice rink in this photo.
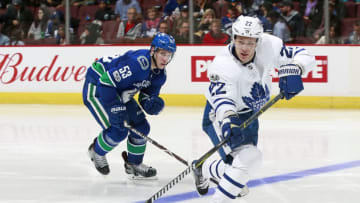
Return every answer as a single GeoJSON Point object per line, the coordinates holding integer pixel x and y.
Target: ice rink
{"type": "Point", "coordinates": [310, 156]}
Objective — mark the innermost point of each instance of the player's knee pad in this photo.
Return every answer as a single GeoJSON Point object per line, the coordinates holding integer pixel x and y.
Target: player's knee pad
{"type": "Point", "coordinates": [247, 157]}
{"type": "Point", "coordinates": [115, 134]}
{"type": "Point", "coordinates": [109, 139]}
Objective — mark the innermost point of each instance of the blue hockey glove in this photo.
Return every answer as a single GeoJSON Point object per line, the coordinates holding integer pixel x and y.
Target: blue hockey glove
{"type": "Point", "coordinates": [290, 80]}
{"type": "Point", "coordinates": [230, 126]}
{"type": "Point", "coordinates": [153, 105]}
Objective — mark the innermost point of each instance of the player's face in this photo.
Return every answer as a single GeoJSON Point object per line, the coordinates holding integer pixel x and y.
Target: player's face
{"type": "Point", "coordinates": [162, 58]}
{"type": "Point", "coordinates": [245, 48]}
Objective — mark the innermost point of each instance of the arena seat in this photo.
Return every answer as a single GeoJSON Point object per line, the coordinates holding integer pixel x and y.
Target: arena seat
{"type": "Point", "coordinates": [110, 29]}
{"type": "Point", "coordinates": [347, 26]}
{"type": "Point", "coordinates": [145, 4]}
{"type": "Point", "coordinates": [220, 9]}
{"type": "Point", "coordinates": [74, 11]}
{"type": "Point", "coordinates": [89, 10]}
{"type": "Point", "coordinates": [350, 7]}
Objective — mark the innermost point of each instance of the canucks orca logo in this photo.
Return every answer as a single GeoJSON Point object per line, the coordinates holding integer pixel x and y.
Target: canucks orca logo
{"type": "Point", "coordinates": [259, 96]}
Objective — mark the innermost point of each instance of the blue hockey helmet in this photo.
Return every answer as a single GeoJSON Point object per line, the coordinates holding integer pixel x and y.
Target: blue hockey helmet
{"type": "Point", "coordinates": [164, 41]}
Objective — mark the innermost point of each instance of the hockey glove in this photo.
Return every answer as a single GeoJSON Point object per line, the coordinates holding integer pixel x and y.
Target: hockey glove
{"type": "Point", "coordinates": [152, 105]}
{"type": "Point", "coordinates": [290, 80]}
{"type": "Point", "coordinates": [230, 126]}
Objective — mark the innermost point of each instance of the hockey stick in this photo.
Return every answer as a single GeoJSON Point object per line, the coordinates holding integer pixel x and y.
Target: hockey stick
{"type": "Point", "coordinates": [201, 160]}
{"type": "Point", "coordinates": [156, 144]}
{"type": "Point", "coordinates": [161, 147]}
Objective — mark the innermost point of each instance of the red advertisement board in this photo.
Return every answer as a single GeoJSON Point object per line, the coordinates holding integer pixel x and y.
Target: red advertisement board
{"type": "Point", "coordinates": [199, 65]}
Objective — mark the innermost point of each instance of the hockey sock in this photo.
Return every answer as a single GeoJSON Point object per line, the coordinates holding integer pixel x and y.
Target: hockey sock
{"type": "Point", "coordinates": [233, 181]}
{"type": "Point", "coordinates": [136, 149]}
{"type": "Point", "coordinates": [214, 169]}
{"type": "Point", "coordinates": [108, 139]}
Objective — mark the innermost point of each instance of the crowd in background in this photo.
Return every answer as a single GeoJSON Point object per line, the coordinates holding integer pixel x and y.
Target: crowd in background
{"type": "Point", "coordinates": [136, 21]}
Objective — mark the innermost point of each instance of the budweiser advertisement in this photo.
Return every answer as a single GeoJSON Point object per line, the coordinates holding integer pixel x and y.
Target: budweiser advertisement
{"type": "Point", "coordinates": [38, 70]}
{"type": "Point", "coordinates": [199, 65]}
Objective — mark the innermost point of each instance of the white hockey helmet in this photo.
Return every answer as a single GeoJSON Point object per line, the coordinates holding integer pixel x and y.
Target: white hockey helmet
{"type": "Point", "coordinates": [247, 26]}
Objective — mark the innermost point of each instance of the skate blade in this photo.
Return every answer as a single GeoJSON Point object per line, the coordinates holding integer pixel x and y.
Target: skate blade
{"type": "Point", "coordinates": [245, 191]}
{"type": "Point", "coordinates": [134, 177]}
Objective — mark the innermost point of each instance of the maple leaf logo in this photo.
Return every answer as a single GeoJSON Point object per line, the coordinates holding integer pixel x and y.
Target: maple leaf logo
{"type": "Point", "coordinates": [259, 96]}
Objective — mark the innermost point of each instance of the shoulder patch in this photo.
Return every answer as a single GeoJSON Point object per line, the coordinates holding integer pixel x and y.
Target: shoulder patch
{"type": "Point", "coordinates": [144, 62]}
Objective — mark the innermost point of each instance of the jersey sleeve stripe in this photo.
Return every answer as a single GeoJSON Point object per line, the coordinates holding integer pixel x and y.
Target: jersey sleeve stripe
{"type": "Point", "coordinates": [223, 103]}
{"type": "Point", "coordinates": [230, 100]}
{"type": "Point", "coordinates": [98, 68]}
{"type": "Point", "coordinates": [105, 79]}
{"type": "Point", "coordinates": [113, 83]}
{"type": "Point", "coordinates": [298, 51]}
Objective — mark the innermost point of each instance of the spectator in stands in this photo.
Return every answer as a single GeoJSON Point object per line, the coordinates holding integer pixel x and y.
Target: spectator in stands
{"type": "Point", "coordinates": [163, 27]}
{"type": "Point", "coordinates": [339, 8]}
{"type": "Point", "coordinates": [235, 4]}
{"type": "Point", "coordinates": [150, 25]}
{"type": "Point", "coordinates": [216, 35]}
{"type": "Point", "coordinates": [313, 12]}
{"type": "Point", "coordinates": [4, 3]}
{"type": "Point", "coordinates": [52, 3]}
{"type": "Point", "coordinates": [122, 7]}
{"type": "Point", "coordinates": [200, 6]}
{"type": "Point", "coordinates": [16, 37]}
{"type": "Point", "coordinates": [250, 7]}
{"type": "Point", "coordinates": [354, 37]}
{"type": "Point", "coordinates": [104, 12]}
{"type": "Point", "coordinates": [333, 37]}
{"type": "Point", "coordinates": [172, 7]}
{"type": "Point", "coordinates": [53, 24]}
{"type": "Point", "coordinates": [293, 19]}
{"type": "Point", "coordinates": [130, 28]}
{"type": "Point", "coordinates": [17, 16]}
{"type": "Point", "coordinates": [229, 19]}
{"type": "Point", "coordinates": [280, 28]}
{"type": "Point", "coordinates": [334, 21]}
{"type": "Point", "coordinates": [182, 37]}
{"type": "Point", "coordinates": [38, 27]}
{"type": "Point", "coordinates": [204, 25]}
{"type": "Point", "coordinates": [81, 2]}
{"type": "Point", "coordinates": [60, 35]}
{"type": "Point", "coordinates": [176, 20]}
{"type": "Point", "coordinates": [92, 34]}
{"type": "Point", "coordinates": [3, 38]}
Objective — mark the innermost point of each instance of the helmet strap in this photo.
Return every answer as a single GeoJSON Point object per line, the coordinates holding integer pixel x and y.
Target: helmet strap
{"type": "Point", "coordinates": [155, 70]}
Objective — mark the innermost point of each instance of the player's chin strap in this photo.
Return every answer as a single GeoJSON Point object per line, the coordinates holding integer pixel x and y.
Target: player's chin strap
{"type": "Point", "coordinates": [156, 66]}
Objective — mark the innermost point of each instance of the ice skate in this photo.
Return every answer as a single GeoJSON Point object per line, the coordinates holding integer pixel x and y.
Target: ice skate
{"type": "Point", "coordinates": [201, 183]}
{"type": "Point", "coordinates": [138, 172]}
{"type": "Point", "coordinates": [100, 162]}
{"type": "Point", "coordinates": [244, 191]}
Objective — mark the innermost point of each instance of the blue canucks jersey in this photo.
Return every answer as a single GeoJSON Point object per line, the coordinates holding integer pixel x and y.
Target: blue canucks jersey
{"type": "Point", "coordinates": [127, 74]}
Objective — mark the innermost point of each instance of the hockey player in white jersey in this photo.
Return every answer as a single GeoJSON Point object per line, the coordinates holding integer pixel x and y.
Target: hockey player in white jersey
{"type": "Point", "coordinates": [240, 84]}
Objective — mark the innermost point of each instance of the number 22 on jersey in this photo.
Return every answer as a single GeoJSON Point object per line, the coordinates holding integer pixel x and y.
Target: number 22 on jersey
{"type": "Point", "coordinates": [217, 88]}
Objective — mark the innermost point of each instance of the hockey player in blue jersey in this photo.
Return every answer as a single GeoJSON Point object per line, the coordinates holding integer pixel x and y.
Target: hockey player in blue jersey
{"type": "Point", "coordinates": [111, 83]}
{"type": "Point", "coordinates": [240, 84]}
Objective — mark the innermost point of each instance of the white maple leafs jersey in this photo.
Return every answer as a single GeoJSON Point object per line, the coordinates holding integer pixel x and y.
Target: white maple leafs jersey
{"type": "Point", "coordinates": [245, 87]}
